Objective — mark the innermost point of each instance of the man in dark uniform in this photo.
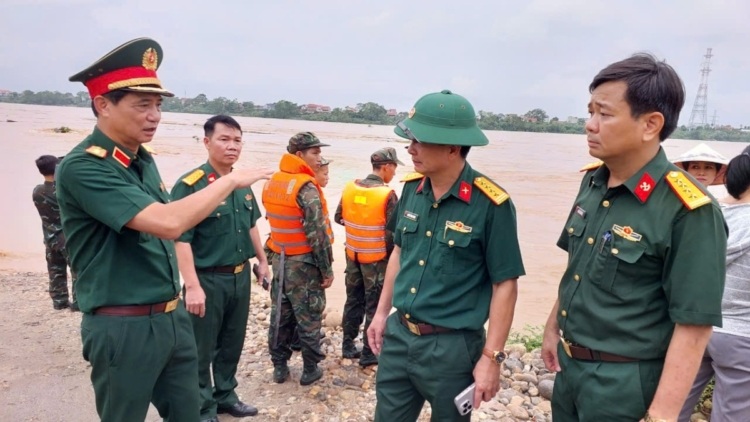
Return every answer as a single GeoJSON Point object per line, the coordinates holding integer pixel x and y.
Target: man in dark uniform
{"type": "Point", "coordinates": [366, 206]}
{"type": "Point", "coordinates": [456, 262]}
{"type": "Point", "coordinates": [213, 259]}
{"type": "Point", "coordinates": [646, 260]}
{"type": "Point", "coordinates": [302, 258]}
{"type": "Point", "coordinates": [120, 223]}
{"type": "Point", "coordinates": [45, 200]}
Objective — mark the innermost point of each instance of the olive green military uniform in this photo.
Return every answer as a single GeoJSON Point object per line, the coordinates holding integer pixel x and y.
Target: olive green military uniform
{"type": "Point", "coordinates": [134, 359]}
{"type": "Point", "coordinates": [452, 250]}
{"type": "Point", "coordinates": [220, 241]}
{"type": "Point", "coordinates": [145, 354]}
{"type": "Point", "coordinates": [58, 261]}
{"type": "Point", "coordinates": [364, 282]}
{"type": "Point", "coordinates": [640, 261]}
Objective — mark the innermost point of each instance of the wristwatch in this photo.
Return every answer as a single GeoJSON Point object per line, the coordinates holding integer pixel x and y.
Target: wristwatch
{"type": "Point", "coordinates": [497, 356]}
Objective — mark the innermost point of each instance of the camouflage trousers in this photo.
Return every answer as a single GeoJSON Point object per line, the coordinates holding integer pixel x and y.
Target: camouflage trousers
{"type": "Point", "coordinates": [58, 262]}
{"type": "Point", "coordinates": [364, 282]}
{"type": "Point", "coordinates": [303, 301]}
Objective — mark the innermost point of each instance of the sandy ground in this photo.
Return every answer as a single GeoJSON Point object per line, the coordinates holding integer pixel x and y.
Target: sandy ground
{"type": "Point", "coordinates": [42, 374]}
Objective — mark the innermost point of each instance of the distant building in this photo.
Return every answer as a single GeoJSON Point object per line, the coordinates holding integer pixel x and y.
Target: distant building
{"type": "Point", "coordinates": [4, 93]}
{"type": "Point", "coordinates": [351, 109]}
{"type": "Point", "coordinates": [572, 120]}
{"type": "Point", "coordinates": [391, 112]}
{"type": "Point", "coordinates": [315, 108]}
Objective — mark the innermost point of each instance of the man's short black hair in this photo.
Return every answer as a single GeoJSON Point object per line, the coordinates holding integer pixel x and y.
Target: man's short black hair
{"type": "Point", "coordinates": [46, 164]}
{"type": "Point", "coordinates": [653, 85]}
{"type": "Point", "coordinates": [210, 125]}
{"type": "Point", "coordinates": [113, 96]}
{"type": "Point", "coordinates": [737, 177]}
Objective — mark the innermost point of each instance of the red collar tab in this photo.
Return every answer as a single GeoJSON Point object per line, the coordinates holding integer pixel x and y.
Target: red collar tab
{"type": "Point", "coordinates": [121, 157]}
{"type": "Point", "coordinates": [464, 191]}
{"type": "Point", "coordinates": [645, 187]}
{"type": "Point", "coordinates": [421, 185]}
{"type": "Point", "coordinates": [211, 178]}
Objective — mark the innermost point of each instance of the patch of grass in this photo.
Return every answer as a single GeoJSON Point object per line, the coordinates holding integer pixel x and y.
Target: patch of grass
{"type": "Point", "coordinates": [531, 336]}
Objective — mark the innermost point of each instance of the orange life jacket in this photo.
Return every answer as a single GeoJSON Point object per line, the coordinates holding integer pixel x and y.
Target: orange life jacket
{"type": "Point", "coordinates": [284, 214]}
{"type": "Point", "coordinates": [363, 211]}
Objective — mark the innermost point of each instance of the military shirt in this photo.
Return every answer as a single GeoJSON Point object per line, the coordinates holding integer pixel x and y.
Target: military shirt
{"type": "Point", "coordinates": [45, 200]}
{"type": "Point", "coordinates": [99, 193]}
{"type": "Point", "coordinates": [223, 238]}
{"type": "Point", "coordinates": [390, 206]}
{"type": "Point", "coordinates": [639, 261]}
{"type": "Point", "coordinates": [452, 250]}
{"type": "Point", "coordinates": [314, 224]}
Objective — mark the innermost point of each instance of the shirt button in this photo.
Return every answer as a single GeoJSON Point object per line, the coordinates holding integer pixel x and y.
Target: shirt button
{"type": "Point", "coordinates": [571, 230]}
{"type": "Point", "coordinates": [218, 214]}
{"type": "Point", "coordinates": [240, 250]}
{"type": "Point", "coordinates": [450, 243]}
{"type": "Point", "coordinates": [435, 205]}
{"type": "Point", "coordinates": [407, 316]}
{"type": "Point", "coordinates": [236, 210]}
{"type": "Point", "coordinates": [605, 204]}
{"type": "Point", "coordinates": [429, 233]}
{"type": "Point", "coordinates": [421, 262]}
{"type": "Point", "coordinates": [577, 277]}
{"type": "Point", "coordinates": [413, 290]}
{"type": "Point", "coordinates": [564, 313]}
{"type": "Point", "coordinates": [590, 240]}
{"type": "Point", "coordinates": [615, 251]}
{"type": "Point", "coordinates": [239, 231]}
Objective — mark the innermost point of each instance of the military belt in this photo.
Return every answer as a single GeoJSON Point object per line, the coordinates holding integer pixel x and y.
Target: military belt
{"type": "Point", "coordinates": [421, 328]}
{"type": "Point", "coordinates": [578, 352]}
{"type": "Point", "coordinates": [223, 269]}
{"type": "Point", "coordinates": [138, 310]}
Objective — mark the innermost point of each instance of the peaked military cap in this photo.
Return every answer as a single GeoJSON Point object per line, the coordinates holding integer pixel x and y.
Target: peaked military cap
{"type": "Point", "coordinates": [131, 67]}
{"type": "Point", "coordinates": [442, 118]}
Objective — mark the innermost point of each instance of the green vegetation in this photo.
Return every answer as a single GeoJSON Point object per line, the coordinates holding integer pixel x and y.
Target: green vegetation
{"type": "Point", "coordinates": [536, 120]}
{"type": "Point", "coordinates": [704, 405]}
{"type": "Point", "coordinates": [531, 337]}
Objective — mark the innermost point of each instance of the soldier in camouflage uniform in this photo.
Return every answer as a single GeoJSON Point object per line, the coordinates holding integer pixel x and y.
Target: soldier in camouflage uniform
{"type": "Point", "coordinates": [365, 271]}
{"type": "Point", "coordinates": [58, 262]}
{"type": "Point", "coordinates": [300, 237]}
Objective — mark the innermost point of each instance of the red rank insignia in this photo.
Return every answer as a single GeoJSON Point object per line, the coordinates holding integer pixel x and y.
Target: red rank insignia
{"type": "Point", "coordinates": [121, 157]}
{"type": "Point", "coordinates": [644, 187]}
{"type": "Point", "coordinates": [421, 185]}
{"type": "Point", "coordinates": [248, 197]}
{"type": "Point", "coordinates": [211, 177]}
{"type": "Point", "coordinates": [464, 191]}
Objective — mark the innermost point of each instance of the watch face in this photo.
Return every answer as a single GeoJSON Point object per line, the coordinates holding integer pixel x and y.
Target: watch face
{"type": "Point", "coordinates": [499, 357]}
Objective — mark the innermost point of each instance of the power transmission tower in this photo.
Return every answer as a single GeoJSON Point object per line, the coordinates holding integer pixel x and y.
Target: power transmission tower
{"type": "Point", "coordinates": [698, 116]}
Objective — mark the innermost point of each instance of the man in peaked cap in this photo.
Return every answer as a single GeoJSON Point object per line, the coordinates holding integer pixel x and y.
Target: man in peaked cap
{"type": "Point", "coordinates": [300, 246]}
{"type": "Point", "coordinates": [455, 263]}
{"type": "Point", "coordinates": [366, 206]}
{"type": "Point", "coordinates": [120, 225]}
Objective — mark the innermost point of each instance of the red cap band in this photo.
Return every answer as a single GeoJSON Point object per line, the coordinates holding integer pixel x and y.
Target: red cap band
{"type": "Point", "coordinates": [121, 78]}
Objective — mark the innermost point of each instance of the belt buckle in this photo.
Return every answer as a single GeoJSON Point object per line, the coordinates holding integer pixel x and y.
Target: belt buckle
{"type": "Point", "coordinates": [171, 305]}
{"type": "Point", "coordinates": [414, 328]}
{"type": "Point", "coordinates": [566, 347]}
{"type": "Point", "coordinates": [238, 268]}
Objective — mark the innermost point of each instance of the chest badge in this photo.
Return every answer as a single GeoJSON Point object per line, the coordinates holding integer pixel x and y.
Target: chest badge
{"type": "Point", "coordinates": [456, 226]}
{"type": "Point", "coordinates": [626, 233]}
{"type": "Point", "coordinates": [411, 216]}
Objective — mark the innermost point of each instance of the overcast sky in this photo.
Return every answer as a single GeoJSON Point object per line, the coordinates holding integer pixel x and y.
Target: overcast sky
{"type": "Point", "coordinates": [504, 56]}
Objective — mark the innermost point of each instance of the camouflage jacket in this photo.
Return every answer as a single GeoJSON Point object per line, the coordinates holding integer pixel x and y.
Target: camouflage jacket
{"type": "Point", "coordinates": [45, 200]}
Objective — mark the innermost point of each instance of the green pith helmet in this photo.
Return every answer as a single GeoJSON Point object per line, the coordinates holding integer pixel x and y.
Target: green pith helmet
{"type": "Point", "coordinates": [442, 118]}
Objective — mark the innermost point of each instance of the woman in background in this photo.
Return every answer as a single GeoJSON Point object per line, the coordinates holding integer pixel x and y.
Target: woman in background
{"type": "Point", "coordinates": [704, 164]}
{"type": "Point", "coordinates": [727, 356]}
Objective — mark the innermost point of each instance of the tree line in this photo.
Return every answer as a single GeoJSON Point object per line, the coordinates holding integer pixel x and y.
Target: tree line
{"type": "Point", "coordinates": [536, 120]}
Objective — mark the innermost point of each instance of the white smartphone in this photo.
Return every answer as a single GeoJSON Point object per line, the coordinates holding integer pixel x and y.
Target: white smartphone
{"type": "Point", "coordinates": [465, 400]}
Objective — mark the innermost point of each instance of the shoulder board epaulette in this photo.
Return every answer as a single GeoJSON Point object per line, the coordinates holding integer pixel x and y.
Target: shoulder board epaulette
{"type": "Point", "coordinates": [496, 194]}
{"type": "Point", "coordinates": [97, 151]}
{"type": "Point", "coordinates": [690, 194]}
{"type": "Point", "coordinates": [193, 177]}
{"type": "Point", "coordinates": [592, 166]}
{"type": "Point", "coordinates": [149, 149]}
{"type": "Point", "coordinates": [412, 176]}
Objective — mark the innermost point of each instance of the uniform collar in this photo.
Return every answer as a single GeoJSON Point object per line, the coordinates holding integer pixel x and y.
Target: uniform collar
{"type": "Point", "coordinates": [461, 189]}
{"type": "Point", "coordinates": [644, 181]}
{"type": "Point", "coordinates": [375, 178]}
{"type": "Point", "coordinates": [118, 153]}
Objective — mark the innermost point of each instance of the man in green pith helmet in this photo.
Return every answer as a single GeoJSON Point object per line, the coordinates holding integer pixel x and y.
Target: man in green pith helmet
{"type": "Point", "coordinates": [455, 263]}
{"type": "Point", "coordinates": [120, 224]}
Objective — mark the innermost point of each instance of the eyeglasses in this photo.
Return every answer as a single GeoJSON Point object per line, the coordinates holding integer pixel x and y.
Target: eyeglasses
{"type": "Point", "coordinates": [407, 131]}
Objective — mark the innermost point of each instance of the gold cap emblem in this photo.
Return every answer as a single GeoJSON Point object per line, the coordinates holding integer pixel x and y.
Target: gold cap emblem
{"type": "Point", "coordinates": [150, 59]}
{"type": "Point", "coordinates": [412, 112]}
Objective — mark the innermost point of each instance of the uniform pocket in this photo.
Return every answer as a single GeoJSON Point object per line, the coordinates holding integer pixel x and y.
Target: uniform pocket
{"type": "Point", "coordinates": [217, 223]}
{"type": "Point", "coordinates": [575, 228]}
{"type": "Point", "coordinates": [615, 269]}
{"type": "Point", "coordinates": [116, 331]}
{"type": "Point", "coordinates": [408, 229]}
{"type": "Point", "coordinates": [316, 298]}
{"type": "Point", "coordinates": [453, 246]}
